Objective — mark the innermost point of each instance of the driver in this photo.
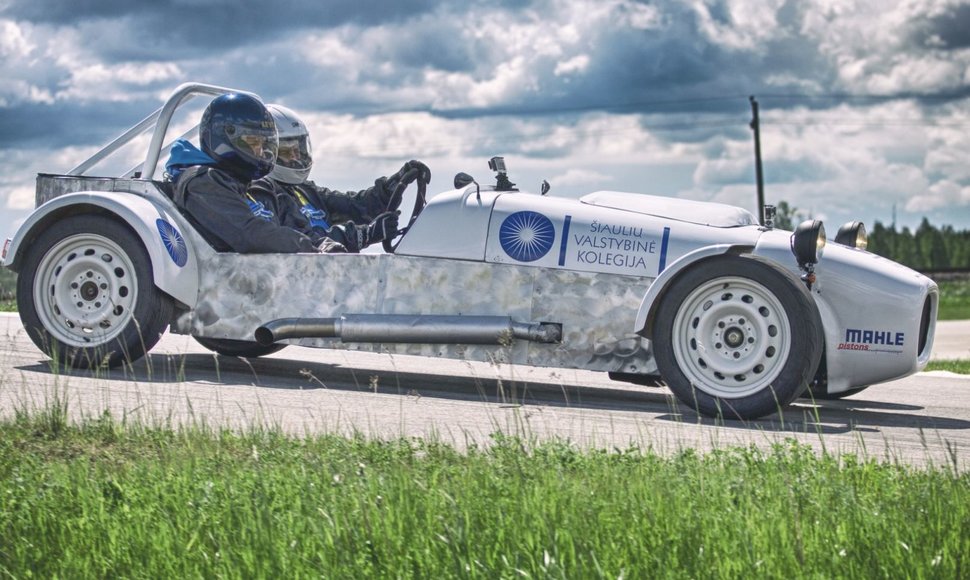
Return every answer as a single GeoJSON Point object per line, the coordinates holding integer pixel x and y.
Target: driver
{"type": "Point", "coordinates": [239, 142]}
{"type": "Point", "coordinates": [322, 213]}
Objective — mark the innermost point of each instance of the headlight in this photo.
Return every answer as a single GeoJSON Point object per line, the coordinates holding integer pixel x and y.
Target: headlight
{"type": "Point", "coordinates": [808, 242]}
{"type": "Point", "coordinates": [853, 234]}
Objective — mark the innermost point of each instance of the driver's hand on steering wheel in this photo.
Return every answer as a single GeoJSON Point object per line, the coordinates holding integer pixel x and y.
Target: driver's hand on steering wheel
{"type": "Point", "coordinates": [384, 227]}
{"type": "Point", "coordinates": [411, 171]}
{"type": "Point", "coordinates": [424, 174]}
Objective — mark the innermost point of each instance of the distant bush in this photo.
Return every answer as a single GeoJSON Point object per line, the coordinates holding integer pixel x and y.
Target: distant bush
{"type": "Point", "coordinates": [8, 283]}
{"type": "Point", "coordinates": [8, 290]}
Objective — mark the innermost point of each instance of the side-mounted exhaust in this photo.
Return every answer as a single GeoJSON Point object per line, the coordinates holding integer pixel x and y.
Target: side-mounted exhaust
{"type": "Point", "coordinates": [410, 328]}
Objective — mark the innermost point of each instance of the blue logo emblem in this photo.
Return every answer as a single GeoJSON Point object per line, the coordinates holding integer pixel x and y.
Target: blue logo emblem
{"type": "Point", "coordinates": [259, 209]}
{"type": "Point", "coordinates": [173, 241]}
{"type": "Point", "coordinates": [316, 217]}
{"type": "Point", "coordinates": [526, 236]}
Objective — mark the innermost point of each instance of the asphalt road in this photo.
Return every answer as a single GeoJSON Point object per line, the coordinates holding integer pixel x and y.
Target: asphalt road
{"type": "Point", "coordinates": [923, 419]}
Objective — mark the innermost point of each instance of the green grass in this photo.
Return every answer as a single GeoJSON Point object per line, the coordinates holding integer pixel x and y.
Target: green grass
{"type": "Point", "coordinates": [954, 366]}
{"type": "Point", "coordinates": [954, 300]}
{"type": "Point", "coordinates": [8, 290]}
{"type": "Point", "coordinates": [101, 499]}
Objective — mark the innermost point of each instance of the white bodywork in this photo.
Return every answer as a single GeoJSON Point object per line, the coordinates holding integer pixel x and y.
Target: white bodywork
{"type": "Point", "coordinates": [597, 266]}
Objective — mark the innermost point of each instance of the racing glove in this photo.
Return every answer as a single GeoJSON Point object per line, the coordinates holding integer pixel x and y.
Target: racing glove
{"type": "Point", "coordinates": [424, 174]}
{"type": "Point", "coordinates": [384, 227]}
{"type": "Point", "coordinates": [395, 184]}
{"type": "Point", "coordinates": [355, 238]}
{"type": "Point", "coordinates": [328, 246]}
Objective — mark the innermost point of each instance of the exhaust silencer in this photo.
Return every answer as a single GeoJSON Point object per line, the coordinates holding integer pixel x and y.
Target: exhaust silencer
{"type": "Point", "coordinates": [410, 328]}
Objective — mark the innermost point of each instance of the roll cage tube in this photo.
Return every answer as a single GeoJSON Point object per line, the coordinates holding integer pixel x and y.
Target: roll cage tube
{"type": "Point", "coordinates": [160, 119]}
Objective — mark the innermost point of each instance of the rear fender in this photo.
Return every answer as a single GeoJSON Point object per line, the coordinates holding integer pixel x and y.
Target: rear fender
{"type": "Point", "coordinates": [647, 312]}
{"type": "Point", "coordinates": [175, 265]}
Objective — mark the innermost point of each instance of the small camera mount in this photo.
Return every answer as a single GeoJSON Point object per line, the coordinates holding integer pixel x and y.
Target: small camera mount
{"type": "Point", "coordinates": [502, 183]}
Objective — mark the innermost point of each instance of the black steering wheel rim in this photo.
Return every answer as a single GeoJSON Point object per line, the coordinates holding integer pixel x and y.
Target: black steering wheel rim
{"type": "Point", "coordinates": [391, 244]}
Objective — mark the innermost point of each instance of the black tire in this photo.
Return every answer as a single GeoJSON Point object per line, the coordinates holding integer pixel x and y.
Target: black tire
{"type": "Point", "coordinates": [822, 395]}
{"type": "Point", "coordinates": [86, 295]}
{"type": "Point", "coordinates": [241, 348]}
{"type": "Point", "coordinates": [738, 338]}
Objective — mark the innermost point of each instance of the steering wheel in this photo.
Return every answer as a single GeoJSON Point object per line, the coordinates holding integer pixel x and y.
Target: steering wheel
{"type": "Point", "coordinates": [390, 244]}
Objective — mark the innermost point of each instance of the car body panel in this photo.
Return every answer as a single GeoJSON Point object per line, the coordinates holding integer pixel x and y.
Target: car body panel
{"type": "Point", "coordinates": [703, 213]}
{"type": "Point", "coordinates": [175, 266]}
{"type": "Point", "coordinates": [871, 309]}
{"type": "Point", "coordinates": [605, 314]}
{"type": "Point", "coordinates": [239, 293]}
{"type": "Point", "coordinates": [597, 266]}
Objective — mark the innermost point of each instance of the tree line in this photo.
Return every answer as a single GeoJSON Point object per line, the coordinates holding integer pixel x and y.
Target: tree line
{"type": "Point", "coordinates": [928, 248]}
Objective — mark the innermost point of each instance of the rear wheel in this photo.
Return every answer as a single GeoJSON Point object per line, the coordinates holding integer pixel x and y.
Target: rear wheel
{"type": "Point", "coordinates": [86, 294]}
{"type": "Point", "coordinates": [242, 348]}
{"type": "Point", "coordinates": [737, 337]}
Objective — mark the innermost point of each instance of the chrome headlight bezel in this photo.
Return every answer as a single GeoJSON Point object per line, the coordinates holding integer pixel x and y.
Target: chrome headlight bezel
{"type": "Point", "coordinates": [808, 242]}
{"type": "Point", "coordinates": [853, 234]}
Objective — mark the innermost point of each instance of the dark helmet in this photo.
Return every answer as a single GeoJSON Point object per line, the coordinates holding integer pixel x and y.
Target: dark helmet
{"type": "Point", "coordinates": [238, 132]}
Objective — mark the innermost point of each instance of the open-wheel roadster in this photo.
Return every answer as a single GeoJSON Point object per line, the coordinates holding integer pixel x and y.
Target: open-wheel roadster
{"type": "Point", "coordinates": [736, 317]}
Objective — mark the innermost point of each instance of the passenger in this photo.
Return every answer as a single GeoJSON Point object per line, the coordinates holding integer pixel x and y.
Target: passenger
{"type": "Point", "coordinates": [239, 143]}
{"type": "Point", "coordinates": [322, 213]}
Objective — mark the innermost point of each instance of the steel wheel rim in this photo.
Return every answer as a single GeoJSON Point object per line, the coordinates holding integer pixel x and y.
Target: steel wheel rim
{"type": "Point", "coordinates": [85, 291]}
{"type": "Point", "coordinates": [731, 337]}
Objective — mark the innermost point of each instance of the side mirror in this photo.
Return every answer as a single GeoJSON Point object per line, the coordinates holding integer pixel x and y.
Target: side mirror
{"type": "Point", "coordinates": [545, 187]}
{"type": "Point", "coordinates": [462, 180]}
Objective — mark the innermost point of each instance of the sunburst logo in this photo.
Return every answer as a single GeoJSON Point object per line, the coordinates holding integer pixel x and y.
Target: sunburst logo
{"type": "Point", "coordinates": [173, 241]}
{"type": "Point", "coordinates": [527, 236]}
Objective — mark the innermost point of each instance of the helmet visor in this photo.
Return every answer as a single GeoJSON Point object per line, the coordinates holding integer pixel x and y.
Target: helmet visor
{"type": "Point", "coordinates": [257, 141]}
{"type": "Point", "coordinates": [294, 152]}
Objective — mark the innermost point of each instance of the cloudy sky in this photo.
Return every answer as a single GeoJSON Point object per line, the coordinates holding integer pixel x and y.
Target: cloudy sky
{"type": "Point", "coordinates": [864, 103]}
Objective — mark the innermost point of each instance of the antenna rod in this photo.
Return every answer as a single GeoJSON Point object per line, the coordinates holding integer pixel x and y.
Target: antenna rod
{"type": "Point", "coordinates": [756, 127]}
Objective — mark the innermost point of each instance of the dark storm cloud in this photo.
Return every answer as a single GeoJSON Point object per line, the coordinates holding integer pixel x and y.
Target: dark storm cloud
{"type": "Point", "coordinates": [33, 125]}
{"type": "Point", "coordinates": [951, 29]}
{"type": "Point", "coordinates": [441, 47]}
{"type": "Point", "coordinates": [174, 28]}
{"type": "Point", "coordinates": [238, 15]}
{"type": "Point", "coordinates": [629, 70]}
{"type": "Point", "coordinates": [671, 69]}
{"type": "Point", "coordinates": [58, 12]}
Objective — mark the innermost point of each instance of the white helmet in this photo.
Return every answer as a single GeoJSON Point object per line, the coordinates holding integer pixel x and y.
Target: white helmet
{"type": "Point", "coordinates": [293, 158]}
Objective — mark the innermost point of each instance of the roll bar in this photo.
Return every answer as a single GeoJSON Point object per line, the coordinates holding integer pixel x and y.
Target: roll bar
{"type": "Point", "coordinates": [160, 120]}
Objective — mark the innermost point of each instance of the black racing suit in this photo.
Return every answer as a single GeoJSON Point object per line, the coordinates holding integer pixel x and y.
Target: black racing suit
{"type": "Point", "coordinates": [323, 213]}
{"type": "Point", "coordinates": [232, 219]}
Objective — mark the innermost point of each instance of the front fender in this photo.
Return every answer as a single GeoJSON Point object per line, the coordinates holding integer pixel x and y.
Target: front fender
{"type": "Point", "coordinates": [175, 265]}
{"type": "Point", "coordinates": [645, 315]}
{"type": "Point", "coordinates": [855, 292]}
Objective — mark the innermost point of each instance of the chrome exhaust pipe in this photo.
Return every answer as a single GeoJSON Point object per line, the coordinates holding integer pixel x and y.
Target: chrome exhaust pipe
{"type": "Point", "coordinates": [410, 328]}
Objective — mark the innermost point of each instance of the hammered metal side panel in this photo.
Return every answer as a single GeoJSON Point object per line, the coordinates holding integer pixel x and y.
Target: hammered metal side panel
{"type": "Point", "coordinates": [436, 286]}
{"type": "Point", "coordinates": [597, 312]}
{"type": "Point", "coordinates": [240, 292]}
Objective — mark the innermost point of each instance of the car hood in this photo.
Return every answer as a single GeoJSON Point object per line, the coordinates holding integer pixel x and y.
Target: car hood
{"type": "Point", "coordinates": [696, 212]}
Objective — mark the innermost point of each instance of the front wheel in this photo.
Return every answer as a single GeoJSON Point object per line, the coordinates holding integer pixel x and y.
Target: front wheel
{"type": "Point", "coordinates": [737, 337]}
{"type": "Point", "coordinates": [86, 295]}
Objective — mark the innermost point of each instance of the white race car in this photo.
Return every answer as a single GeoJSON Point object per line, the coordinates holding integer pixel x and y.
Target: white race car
{"type": "Point", "coordinates": [736, 317]}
